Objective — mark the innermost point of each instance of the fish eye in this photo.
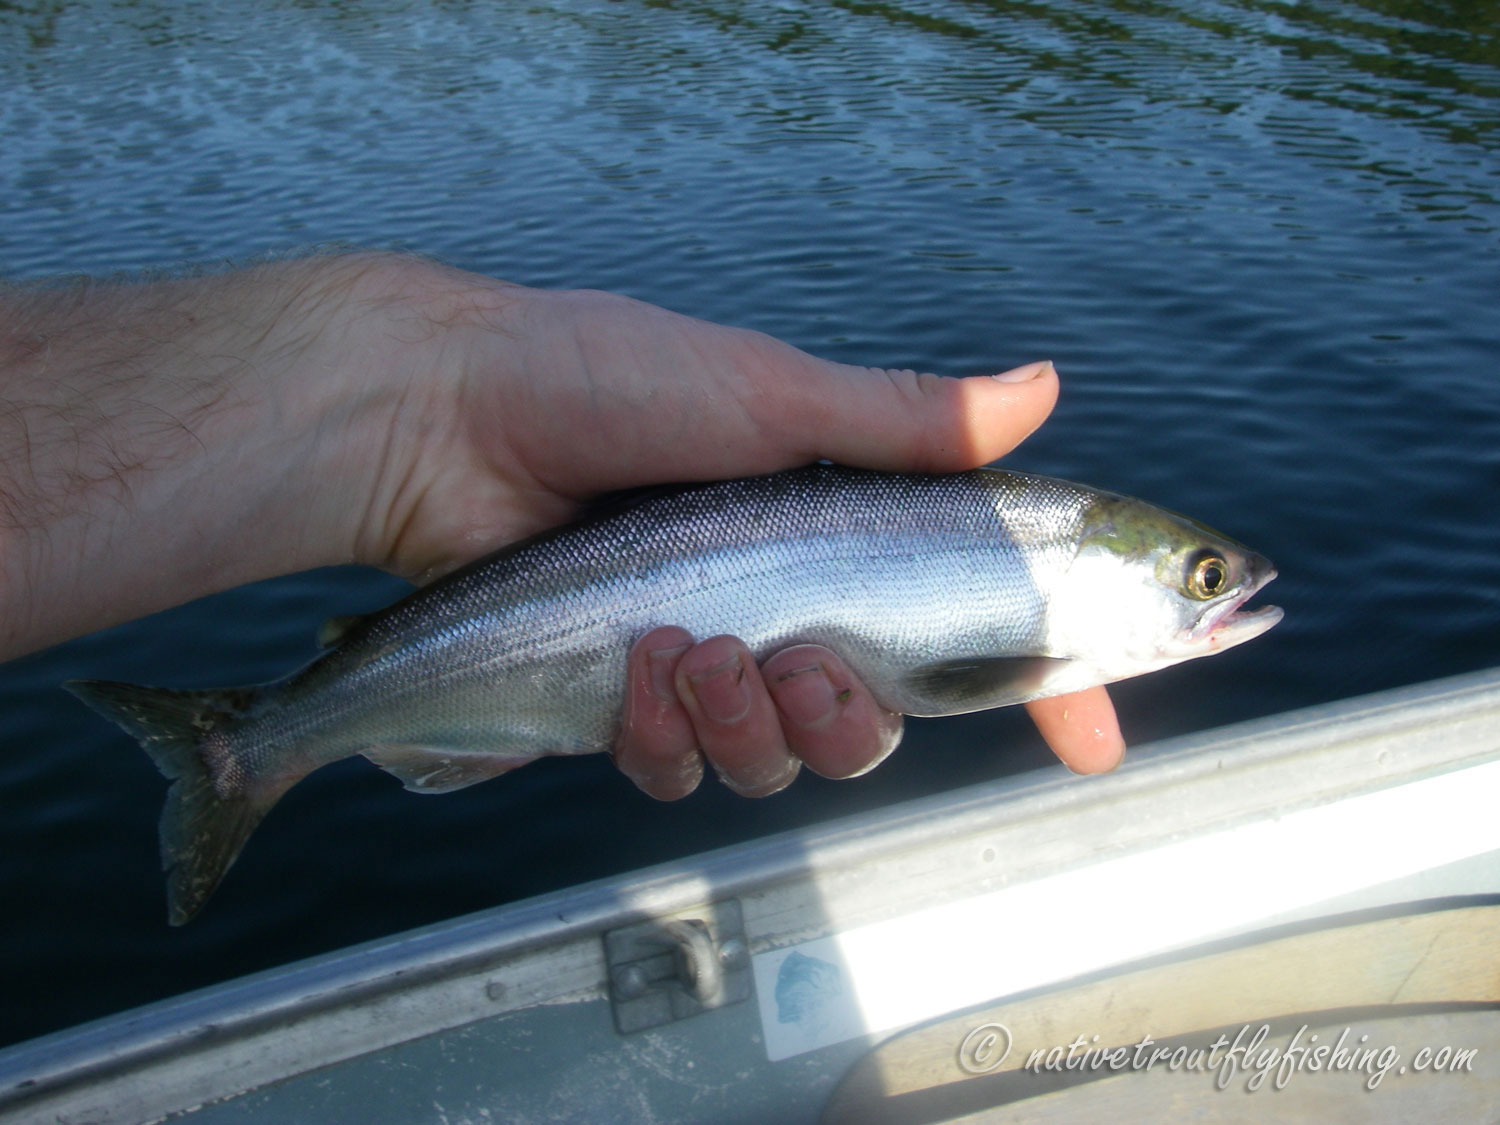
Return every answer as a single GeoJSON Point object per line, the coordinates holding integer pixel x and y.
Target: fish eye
{"type": "Point", "coordinates": [1208, 577]}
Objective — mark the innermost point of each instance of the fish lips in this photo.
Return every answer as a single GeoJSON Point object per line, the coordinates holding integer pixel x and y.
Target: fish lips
{"type": "Point", "coordinates": [1227, 624]}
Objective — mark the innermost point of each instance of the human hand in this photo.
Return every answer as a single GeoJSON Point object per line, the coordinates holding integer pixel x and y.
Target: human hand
{"type": "Point", "coordinates": [169, 439]}
{"type": "Point", "coordinates": [648, 396]}
{"type": "Point", "coordinates": [757, 726]}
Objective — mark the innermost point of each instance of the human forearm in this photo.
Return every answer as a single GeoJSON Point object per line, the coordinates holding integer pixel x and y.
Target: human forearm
{"type": "Point", "coordinates": [163, 440]}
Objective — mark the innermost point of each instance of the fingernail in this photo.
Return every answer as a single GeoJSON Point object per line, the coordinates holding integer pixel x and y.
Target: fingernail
{"type": "Point", "coordinates": [670, 780]}
{"type": "Point", "coordinates": [760, 783]}
{"type": "Point", "coordinates": [1024, 374]}
{"type": "Point", "coordinates": [662, 665]}
{"type": "Point", "coordinates": [807, 697]}
{"type": "Point", "coordinates": [890, 727]}
{"type": "Point", "coordinates": [721, 692]}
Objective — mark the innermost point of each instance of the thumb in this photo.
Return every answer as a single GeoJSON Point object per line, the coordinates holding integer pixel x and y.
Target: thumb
{"type": "Point", "coordinates": [905, 421]}
{"type": "Point", "coordinates": [665, 397]}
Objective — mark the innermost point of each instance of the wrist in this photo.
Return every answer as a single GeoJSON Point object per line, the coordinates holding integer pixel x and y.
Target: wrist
{"type": "Point", "coordinates": [440, 482]}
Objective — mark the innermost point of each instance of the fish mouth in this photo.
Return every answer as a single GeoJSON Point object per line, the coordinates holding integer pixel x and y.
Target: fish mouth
{"type": "Point", "coordinates": [1228, 624]}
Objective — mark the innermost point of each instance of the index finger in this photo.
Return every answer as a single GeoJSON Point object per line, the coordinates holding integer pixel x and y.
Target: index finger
{"type": "Point", "coordinates": [1081, 728]}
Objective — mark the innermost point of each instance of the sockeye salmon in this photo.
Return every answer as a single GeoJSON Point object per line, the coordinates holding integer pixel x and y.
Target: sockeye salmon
{"type": "Point", "coordinates": [945, 594]}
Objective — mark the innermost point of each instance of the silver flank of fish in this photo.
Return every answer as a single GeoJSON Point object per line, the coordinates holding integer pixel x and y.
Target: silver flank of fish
{"type": "Point", "coordinates": [945, 594]}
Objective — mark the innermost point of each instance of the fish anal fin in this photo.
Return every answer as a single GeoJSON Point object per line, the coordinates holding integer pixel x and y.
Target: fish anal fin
{"type": "Point", "coordinates": [439, 769]}
{"type": "Point", "coordinates": [953, 687]}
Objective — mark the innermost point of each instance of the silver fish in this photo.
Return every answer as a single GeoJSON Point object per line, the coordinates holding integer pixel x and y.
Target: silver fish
{"type": "Point", "coordinates": [945, 594]}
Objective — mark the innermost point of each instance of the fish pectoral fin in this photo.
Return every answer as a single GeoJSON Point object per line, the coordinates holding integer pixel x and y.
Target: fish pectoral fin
{"type": "Point", "coordinates": [439, 769]}
{"type": "Point", "coordinates": [952, 687]}
{"type": "Point", "coordinates": [335, 629]}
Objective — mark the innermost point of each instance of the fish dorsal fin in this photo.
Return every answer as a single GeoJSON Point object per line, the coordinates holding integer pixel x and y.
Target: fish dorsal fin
{"type": "Point", "coordinates": [952, 687]}
{"type": "Point", "coordinates": [439, 769]}
{"type": "Point", "coordinates": [335, 629]}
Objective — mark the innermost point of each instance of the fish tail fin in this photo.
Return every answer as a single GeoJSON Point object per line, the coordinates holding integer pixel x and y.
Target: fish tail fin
{"type": "Point", "coordinates": [214, 802]}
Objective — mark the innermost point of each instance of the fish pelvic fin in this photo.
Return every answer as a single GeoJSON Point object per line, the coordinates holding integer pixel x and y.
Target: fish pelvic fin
{"type": "Point", "coordinates": [440, 769]}
{"type": "Point", "coordinates": [214, 802]}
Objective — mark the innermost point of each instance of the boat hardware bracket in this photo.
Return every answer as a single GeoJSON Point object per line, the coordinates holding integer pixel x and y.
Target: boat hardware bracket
{"type": "Point", "coordinates": [666, 969]}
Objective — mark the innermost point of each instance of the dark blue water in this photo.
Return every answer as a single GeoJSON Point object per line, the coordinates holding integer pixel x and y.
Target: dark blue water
{"type": "Point", "coordinates": [1261, 241]}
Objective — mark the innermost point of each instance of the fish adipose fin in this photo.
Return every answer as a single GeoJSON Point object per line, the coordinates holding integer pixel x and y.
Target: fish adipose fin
{"type": "Point", "coordinates": [978, 683]}
{"type": "Point", "coordinates": [203, 826]}
{"type": "Point", "coordinates": [439, 769]}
